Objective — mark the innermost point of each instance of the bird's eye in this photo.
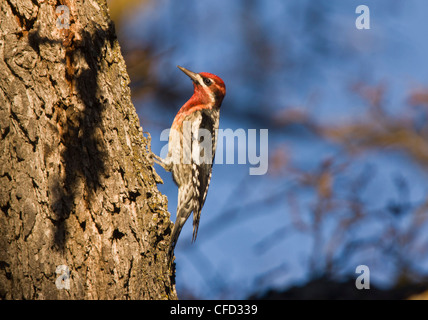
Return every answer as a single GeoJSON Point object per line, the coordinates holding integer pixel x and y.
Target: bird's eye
{"type": "Point", "coordinates": [207, 81]}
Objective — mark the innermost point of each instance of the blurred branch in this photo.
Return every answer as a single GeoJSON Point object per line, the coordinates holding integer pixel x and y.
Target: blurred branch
{"type": "Point", "coordinates": [380, 130]}
{"type": "Point", "coordinates": [230, 213]}
{"type": "Point", "coordinates": [121, 9]}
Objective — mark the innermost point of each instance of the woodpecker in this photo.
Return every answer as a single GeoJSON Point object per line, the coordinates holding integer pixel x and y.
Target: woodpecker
{"type": "Point", "coordinates": [191, 149]}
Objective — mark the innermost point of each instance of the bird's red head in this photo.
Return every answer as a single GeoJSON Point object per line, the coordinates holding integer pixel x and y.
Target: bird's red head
{"type": "Point", "coordinates": [209, 89]}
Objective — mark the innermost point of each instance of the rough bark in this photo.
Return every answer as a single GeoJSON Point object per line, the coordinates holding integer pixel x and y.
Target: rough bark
{"type": "Point", "coordinates": [77, 187]}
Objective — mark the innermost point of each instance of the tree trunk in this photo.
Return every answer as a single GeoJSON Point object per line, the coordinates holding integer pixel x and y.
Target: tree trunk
{"type": "Point", "coordinates": [81, 216]}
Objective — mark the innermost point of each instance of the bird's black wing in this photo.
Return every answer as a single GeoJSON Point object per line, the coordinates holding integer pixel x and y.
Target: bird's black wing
{"type": "Point", "coordinates": [204, 135]}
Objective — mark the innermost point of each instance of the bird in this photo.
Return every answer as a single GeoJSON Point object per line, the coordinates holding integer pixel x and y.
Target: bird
{"type": "Point", "coordinates": [191, 149]}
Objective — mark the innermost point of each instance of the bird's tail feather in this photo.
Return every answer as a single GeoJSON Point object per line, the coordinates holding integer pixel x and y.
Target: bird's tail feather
{"type": "Point", "coordinates": [174, 237]}
{"type": "Point", "coordinates": [196, 217]}
{"type": "Point", "coordinates": [184, 209]}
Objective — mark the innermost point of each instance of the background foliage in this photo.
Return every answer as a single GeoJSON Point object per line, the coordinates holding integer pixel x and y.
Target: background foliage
{"type": "Point", "coordinates": [347, 114]}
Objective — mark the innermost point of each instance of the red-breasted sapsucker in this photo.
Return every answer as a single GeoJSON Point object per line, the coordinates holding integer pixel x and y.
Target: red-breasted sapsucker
{"type": "Point", "coordinates": [191, 148]}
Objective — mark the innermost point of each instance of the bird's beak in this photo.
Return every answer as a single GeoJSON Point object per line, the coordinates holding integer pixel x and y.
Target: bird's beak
{"type": "Point", "coordinates": [190, 74]}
